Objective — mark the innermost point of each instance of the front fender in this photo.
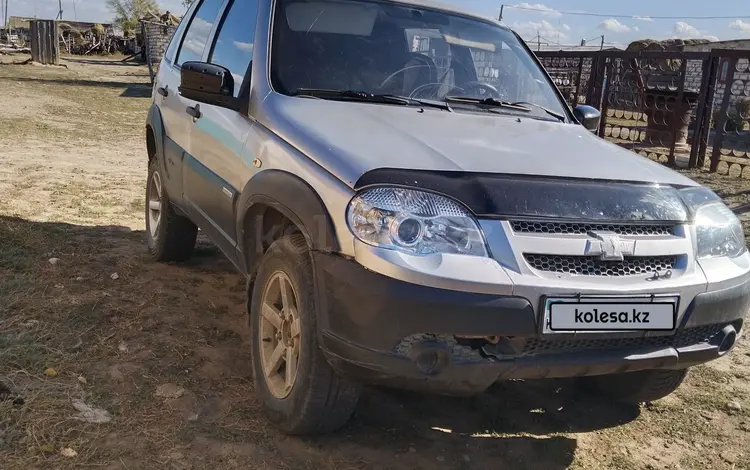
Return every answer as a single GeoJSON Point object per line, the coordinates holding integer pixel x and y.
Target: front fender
{"type": "Point", "coordinates": [292, 197]}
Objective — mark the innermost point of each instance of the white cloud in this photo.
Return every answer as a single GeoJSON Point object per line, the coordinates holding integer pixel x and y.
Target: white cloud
{"type": "Point", "coordinates": [643, 18]}
{"type": "Point", "coordinates": [687, 30]}
{"type": "Point", "coordinates": [614, 26]}
{"type": "Point", "coordinates": [739, 25]}
{"type": "Point", "coordinates": [684, 30]}
{"type": "Point", "coordinates": [636, 28]}
{"type": "Point", "coordinates": [243, 46]}
{"type": "Point", "coordinates": [540, 8]}
{"type": "Point", "coordinates": [543, 28]}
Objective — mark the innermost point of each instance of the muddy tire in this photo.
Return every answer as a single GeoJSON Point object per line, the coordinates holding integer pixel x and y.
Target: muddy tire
{"type": "Point", "coordinates": [171, 237]}
{"type": "Point", "coordinates": [635, 387]}
{"type": "Point", "coordinates": [299, 391]}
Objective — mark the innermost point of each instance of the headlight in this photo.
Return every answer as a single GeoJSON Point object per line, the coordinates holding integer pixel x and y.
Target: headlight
{"type": "Point", "coordinates": [719, 231]}
{"type": "Point", "coordinates": [414, 222]}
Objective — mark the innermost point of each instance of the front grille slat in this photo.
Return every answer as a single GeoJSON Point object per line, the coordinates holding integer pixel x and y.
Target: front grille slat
{"type": "Point", "coordinates": [683, 338]}
{"type": "Point", "coordinates": [575, 228]}
{"type": "Point", "coordinates": [594, 266]}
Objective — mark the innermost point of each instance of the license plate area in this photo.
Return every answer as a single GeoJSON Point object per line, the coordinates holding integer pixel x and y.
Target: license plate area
{"type": "Point", "coordinates": [597, 315]}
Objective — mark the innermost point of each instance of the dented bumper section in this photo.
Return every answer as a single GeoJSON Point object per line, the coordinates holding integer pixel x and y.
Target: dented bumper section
{"type": "Point", "coordinates": [379, 329]}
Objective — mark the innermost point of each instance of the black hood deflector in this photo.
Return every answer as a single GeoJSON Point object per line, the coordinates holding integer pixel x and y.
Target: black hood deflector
{"type": "Point", "coordinates": [521, 196]}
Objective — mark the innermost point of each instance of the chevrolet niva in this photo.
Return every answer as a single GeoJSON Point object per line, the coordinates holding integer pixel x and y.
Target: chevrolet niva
{"type": "Point", "coordinates": [414, 204]}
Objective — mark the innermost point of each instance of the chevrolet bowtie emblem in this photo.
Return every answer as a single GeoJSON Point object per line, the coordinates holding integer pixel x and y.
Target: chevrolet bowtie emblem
{"type": "Point", "coordinates": [609, 246]}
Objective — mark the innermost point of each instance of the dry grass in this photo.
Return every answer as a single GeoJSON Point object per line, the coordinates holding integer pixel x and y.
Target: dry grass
{"type": "Point", "coordinates": [71, 179]}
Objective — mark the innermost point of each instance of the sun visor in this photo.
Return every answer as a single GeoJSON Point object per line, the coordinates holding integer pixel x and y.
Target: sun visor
{"type": "Point", "coordinates": [487, 46]}
{"type": "Point", "coordinates": [514, 196]}
{"type": "Point", "coordinates": [332, 17]}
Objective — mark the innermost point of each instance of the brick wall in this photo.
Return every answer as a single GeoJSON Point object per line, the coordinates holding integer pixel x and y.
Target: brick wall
{"type": "Point", "coordinates": [156, 38]}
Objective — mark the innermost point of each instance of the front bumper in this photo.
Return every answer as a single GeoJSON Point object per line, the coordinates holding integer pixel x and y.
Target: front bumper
{"type": "Point", "coordinates": [379, 329]}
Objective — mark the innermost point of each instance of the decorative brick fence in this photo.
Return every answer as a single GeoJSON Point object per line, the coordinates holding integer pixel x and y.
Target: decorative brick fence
{"type": "Point", "coordinates": [156, 37]}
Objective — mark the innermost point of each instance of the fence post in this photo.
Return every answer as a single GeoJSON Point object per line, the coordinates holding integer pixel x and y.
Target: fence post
{"type": "Point", "coordinates": [703, 114]}
{"type": "Point", "coordinates": [720, 123]}
{"type": "Point", "coordinates": [676, 113]}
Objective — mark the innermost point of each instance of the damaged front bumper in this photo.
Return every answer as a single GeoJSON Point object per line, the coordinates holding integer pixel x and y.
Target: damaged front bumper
{"type": "Point", "coordinates": [379, 329]}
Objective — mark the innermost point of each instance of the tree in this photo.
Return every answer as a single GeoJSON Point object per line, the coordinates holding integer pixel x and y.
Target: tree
{"type": "Point", "coordinates": [128, 12]}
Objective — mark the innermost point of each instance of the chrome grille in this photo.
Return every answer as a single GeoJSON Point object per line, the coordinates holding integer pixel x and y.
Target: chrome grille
{"type": "Point", "coordinates": [683, 338]}
{"type": "Point", "coordinates": [564, 228]}
{"type": "Point", "coordinates": [594, 266]}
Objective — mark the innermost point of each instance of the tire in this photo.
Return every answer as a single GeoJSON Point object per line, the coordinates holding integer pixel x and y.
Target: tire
{"type": "Point", "coordinates": [635, 387]}
{"type": "Point", "coordinates": [318, 401]}
{"type": "Point", "coordinates": [173, 238]}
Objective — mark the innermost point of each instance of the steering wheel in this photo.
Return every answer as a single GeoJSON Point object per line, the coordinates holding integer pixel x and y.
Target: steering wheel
{"type": "Point", "coordinates": [434, 87]}
{"type": "Point", "coordinates": [485, 90]}
{"type": "Point", "coordinates": [426, 62]}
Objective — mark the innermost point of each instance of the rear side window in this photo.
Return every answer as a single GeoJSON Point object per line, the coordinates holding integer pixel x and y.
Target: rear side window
{"type": "Point", "coordinates": [234, 42]}
{"type": "Point", "coordinates": [197, 33]}
{"type": "Point", "coordinates": [175, 42]}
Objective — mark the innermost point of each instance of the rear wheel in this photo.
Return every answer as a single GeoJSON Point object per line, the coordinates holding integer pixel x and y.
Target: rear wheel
{"type": "Point", "coordinates": [635, 387]}
{"type": "Point", "coordinates": [171, 237]}
{"type": "Point", "coordinates": [299, 391]}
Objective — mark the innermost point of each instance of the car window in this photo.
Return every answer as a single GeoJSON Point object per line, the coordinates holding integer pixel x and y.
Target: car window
{"type": "Point", "coordinates": [175, 41]}
{"type": "Point", "coordinates": [234, 43]}
{"type": "Point", "coordinates": [197, 33]}
{"type": "Point", "coordinates": [382, 47]}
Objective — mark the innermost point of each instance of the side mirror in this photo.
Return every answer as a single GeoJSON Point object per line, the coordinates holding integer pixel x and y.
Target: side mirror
{"type": "Point", "coordinates": [588, 116]}
{"type": "Point", "coordinates": [208, 83]}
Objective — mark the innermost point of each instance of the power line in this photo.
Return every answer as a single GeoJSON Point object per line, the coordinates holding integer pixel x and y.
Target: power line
{"type": "Point", "coordinates": [632, 17]}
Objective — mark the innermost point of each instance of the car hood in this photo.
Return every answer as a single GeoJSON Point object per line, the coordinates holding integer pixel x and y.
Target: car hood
{"type": "Point", "coordinates": [349, 139]}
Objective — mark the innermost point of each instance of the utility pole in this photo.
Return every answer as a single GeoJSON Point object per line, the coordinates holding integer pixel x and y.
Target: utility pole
{"type": "Point", "coordinates": [601, 48]}
{"type": "Point", "coordinates": [538, 42]}
{"type": "Point", "coordinates": [59, 15]}
{"type": "Point", "coordinates": [501, 13]}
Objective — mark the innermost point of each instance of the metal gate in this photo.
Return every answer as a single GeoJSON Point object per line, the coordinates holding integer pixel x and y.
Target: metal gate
{"type": "Point", "coordinates": [670, 107]}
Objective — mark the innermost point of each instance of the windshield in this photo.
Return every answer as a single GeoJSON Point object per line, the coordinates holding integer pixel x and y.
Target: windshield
{"type": "Point", "coordinates": [379, 48]}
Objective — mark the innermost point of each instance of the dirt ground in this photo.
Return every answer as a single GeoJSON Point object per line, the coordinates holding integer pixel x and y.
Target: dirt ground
{"type": "Point", "coordinates": [160, 352]}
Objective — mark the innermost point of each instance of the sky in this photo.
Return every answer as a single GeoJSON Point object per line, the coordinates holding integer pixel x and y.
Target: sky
{"type": "Point", "coordinates": [552, 25]}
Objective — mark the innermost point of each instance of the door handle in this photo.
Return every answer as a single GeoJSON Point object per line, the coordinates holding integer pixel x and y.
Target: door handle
{"type": "Point", "coordinates": [163, 91]}
{"type": "Point", "coordinates": [194, 111]}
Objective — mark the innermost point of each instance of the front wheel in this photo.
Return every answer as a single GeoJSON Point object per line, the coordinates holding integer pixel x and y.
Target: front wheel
{"type": "Point", "coordinates": [299, 391]}
{"type": "Point", "coordinates": [635, 387]}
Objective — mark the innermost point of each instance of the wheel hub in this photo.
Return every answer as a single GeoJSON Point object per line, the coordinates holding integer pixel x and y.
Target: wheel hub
{"type": "Point", "coordinates": [279, 332]}
{"type": "Point", "coordinates": [153, 201]}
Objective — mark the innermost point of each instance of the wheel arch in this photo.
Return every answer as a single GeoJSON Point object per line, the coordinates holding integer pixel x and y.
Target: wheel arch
{"type": "Point", "coordinates": [154, 133]}
{"type": "Point", "coordinates": [275, 203]}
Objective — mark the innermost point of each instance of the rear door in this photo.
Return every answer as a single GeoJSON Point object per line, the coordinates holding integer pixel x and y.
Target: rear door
{"type": "Point", "coordinates": [188, 43]}
{"type": "Point", "coordinates": [172, 109]}
{"type": "Point", "coordinates": [216, 172]}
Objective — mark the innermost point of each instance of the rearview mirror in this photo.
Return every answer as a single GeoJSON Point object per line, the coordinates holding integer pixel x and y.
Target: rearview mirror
{"type": "Point", "coordinates": [208, 83]}
{"type": "Point", "coordinates": [588, 116]}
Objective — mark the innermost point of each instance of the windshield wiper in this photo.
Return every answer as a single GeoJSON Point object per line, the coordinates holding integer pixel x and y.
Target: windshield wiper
{"type": "Point", "coordinates": [554, 114]}
{"type": "Point", "coordinates": [493, 102]}
{"type": "Point", "coordinates": [497, 103]}
{"type": "Point", "coordinates": [355, 95]}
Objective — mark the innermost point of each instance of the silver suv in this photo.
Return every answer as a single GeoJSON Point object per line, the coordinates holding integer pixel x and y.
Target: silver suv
{"type": "Point", "coordinates": [414, 204]}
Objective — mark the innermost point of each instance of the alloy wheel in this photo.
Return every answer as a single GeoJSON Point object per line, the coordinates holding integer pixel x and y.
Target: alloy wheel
{"type": "Point", "coordinates": [279, 334]}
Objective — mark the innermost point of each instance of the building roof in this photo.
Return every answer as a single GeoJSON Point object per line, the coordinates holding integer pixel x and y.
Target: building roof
{"type": "Point", "coordinates": [23, 22]}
